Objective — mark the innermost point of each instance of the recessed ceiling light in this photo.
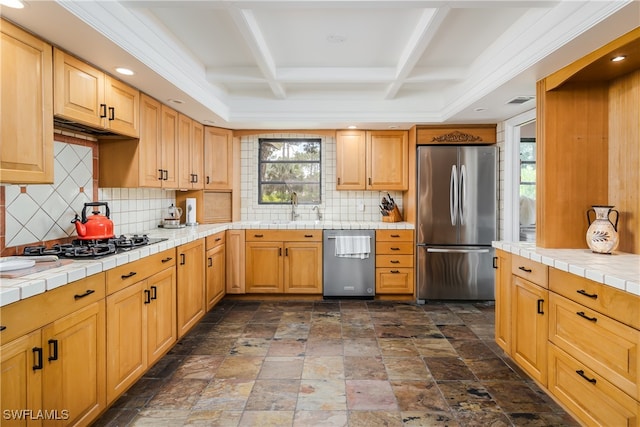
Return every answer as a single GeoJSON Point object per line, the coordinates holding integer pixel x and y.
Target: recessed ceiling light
{"type": "Point", "coordinates": [336, 38]}
{"type": "Point", "coordinates": [124, 71]}
{"type": "Point", "coordinates": [352, 127]}
{"type": "Point", "coordinates": [209, 122]}
{"type": "Point", "coordinates": [393, 127]}
{"type": "Point", "coordinates": [618, 58]}
{"type": "Point", "coordinates": [479, 109]}
{"type": "Point", "coordinates": [14, 4]}
{"type": "Point", "coordinates": [175, 101]}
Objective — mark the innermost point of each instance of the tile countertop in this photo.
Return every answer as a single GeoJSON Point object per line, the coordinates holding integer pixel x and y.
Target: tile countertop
{"type": "Point", "coordinates": [12, 290]}
{"type": "Point", "coordinates": [619, 270]}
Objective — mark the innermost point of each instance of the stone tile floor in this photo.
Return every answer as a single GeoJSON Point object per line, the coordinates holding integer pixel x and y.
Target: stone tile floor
{"type": "Point", "coordinates": [338, 363]}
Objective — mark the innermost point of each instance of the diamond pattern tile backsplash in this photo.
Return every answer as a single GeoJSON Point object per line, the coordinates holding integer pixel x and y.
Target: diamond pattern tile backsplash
{"type": "Point", "coordinates": [36, 213]}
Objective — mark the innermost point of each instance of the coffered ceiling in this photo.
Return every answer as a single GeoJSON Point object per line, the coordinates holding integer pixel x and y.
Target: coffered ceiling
{"type": "Point", "coordinates": [330, 64]}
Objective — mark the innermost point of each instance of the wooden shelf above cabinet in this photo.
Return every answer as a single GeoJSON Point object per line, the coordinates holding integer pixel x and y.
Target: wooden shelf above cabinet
{"type": "Point", "coordinates": [456, 134]}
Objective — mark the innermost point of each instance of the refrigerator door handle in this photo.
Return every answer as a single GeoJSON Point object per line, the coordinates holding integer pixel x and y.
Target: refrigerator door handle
{"type": "Point", "coordinates": [453, 194]}
{"type": "Point", "coordinates": [459, 251]}
{"type": "Point", "coordinates": [463, 192]}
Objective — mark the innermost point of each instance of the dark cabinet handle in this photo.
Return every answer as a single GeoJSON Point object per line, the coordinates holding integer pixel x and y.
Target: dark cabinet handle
{"type": "Point", "coordinates": [54, 353]}
{"type": "Point", "coordinates": [2, 328]}
{"type": "Point", "coordinates": [167, 259]}
{"type": "Point", "coordinates": [395, 271]}
{"type": "Point", "coordinates": [195, 178]}
{"type": "Point", "coordinates": [584, 316]}
{"type": "Point", "coordinates": [166, 175]}
{"type": "Point", "coordinates": [37, 358]}
{"type": "Point", "coordinates": [395, 249]}
{"type": "Point", "coordinates": [394, 261]}
{"type": "Point", "coordinates": [258, 235]}
{"type": "Point", "coordinates": [369, 181]}
{"type": "Point", "coordinates": [112, 113]}
{"type": "Point", "coordinates": [103, 111]}
{"type": "Point", "coordinates": [540, 302]}
{"type": "Point", "coordinates": [154, 292]}
{"type": "Point", "coordinates": [286, 252]}
{"type": "Point", "coordinates": [126, 276]}
{"type": "Point", "coordinates": [210, 261]}
{"type": "Point", "coordinates": [395, 235]}
{"type": "Point", "coordinates": [308, 235]}
{"type": "Point", "coordinates": [279, 251]}
{"type": "Point", "coordinates": [583, 292]}
{"type": "Point", "coordinates": [183, 259]}
{"type": "Point", "coordinates": [208, 180]}
{"type": "Point", "coordinates": [338, 180]}
{"type": "Point", "coordinates": [526, 270]}
{"type": "Point", "coordinates": [218, 239]}
{"type": "Point", "coordinates": [87, 293]}
{"type": "Point", "coordinates": [495, 262]}
{"type": "Point", "coordinates": [160, 177]}
{"type": "Point", "coordinates": [147, 296]}
{"type": "Point", "coordinates": [581, 373]}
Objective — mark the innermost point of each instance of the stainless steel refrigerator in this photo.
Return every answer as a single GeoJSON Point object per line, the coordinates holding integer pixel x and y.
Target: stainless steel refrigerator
{"type": "Point", "coordinates": [456, 222]}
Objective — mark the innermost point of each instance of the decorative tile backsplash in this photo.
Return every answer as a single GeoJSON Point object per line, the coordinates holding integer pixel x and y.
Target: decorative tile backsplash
{"type": "Point", "coordinates": [335, 205]}
{"type": "Point", "coordinates": [135, 210]}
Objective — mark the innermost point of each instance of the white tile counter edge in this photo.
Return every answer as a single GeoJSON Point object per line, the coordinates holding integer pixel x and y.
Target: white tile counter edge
{"type": "Point", "coordinates": [12, 290]}
{"type": "Point", "coordinates": [618, 270]}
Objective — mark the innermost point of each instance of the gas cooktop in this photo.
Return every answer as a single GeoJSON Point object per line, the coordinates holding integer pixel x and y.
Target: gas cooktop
{"type": "Point", "coordinates": [93, 249]}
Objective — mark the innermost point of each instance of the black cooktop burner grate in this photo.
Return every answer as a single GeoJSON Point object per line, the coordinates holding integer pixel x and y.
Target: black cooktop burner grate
{"type": "Point", "coordinates": [92, 249]}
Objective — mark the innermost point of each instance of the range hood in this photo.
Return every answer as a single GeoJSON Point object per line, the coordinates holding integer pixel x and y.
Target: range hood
{"type": "Point", "coordinates": [72, 126]}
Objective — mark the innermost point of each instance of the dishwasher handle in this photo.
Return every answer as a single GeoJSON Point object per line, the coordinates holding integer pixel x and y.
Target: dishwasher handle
{"type": "Point", "coordinates": [459, 251]}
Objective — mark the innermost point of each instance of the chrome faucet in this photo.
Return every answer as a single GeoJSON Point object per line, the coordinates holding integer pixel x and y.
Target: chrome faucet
{"type": "Point", "coordinates": [294, 204]}
{"type": "Point", "coordinates": [318, 213]}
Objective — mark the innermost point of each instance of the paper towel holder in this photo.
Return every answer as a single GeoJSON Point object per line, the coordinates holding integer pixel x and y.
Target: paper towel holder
{"type": "Point", "coordinates": [190, 210]}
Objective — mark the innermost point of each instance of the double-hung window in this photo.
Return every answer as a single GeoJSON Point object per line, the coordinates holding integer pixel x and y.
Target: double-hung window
{"type": "Point", "coordinates": [286, 166]}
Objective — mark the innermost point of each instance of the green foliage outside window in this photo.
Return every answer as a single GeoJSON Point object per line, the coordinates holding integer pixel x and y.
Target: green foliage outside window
{"type": "Point", "coordinates": [287, 166]}
{"type": "Point", "coordinates": [528, 167]}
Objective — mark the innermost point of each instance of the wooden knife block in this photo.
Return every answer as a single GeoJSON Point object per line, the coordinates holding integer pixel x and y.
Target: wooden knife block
{"type": "Point", "coordinates": [394, 216]}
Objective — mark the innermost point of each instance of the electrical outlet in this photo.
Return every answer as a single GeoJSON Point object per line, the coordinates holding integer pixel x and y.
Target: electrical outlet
{"type": "Point", "coordinates": [360, 207]}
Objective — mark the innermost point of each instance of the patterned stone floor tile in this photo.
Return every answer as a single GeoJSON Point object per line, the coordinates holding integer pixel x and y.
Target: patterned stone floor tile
{"type": "Point", "coordinates": [273, 395]}
{"type": "Point", "coordinates": [375, 419]}
{"type": "Point", "coordinates": [322, 395]}
{"type": "Point", "coordinates": [281, 367]}
{"type": "Point", "coordinates": [419, 396]}
{"type": "Point", "coordinates": [320, 419]}
{"type": "Point", "coordinates": [370, 395]}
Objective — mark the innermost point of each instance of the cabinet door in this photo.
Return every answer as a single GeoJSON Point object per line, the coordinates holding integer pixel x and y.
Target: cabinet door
{"type": "Point", "coordinates": [387, 160]}
{"type": "Point", "coordinates": [185, 174]}
{"type": "Point", "coordinates": [235, 261]}
{"type": "Point", "coordinates": [350, 160]}
{"type": "Point", "coordinates": [394, 280]}
{"type": "Point", "coordinates": [79, 90]}
{"type": "Point", "coordinates": [264, 267]}
{"type": "Point", "coordinates": [126, 340]}
{"type": "Point", "coordinates": [161, 313]}
{"type": "Point", "coordinates": [74, 375]}
{"type": "Point", "coordinates": [191, 286]}
{"type": "Point", "coordinates": [218, 159]}
{"type": "Point", "coordinates": [123, 107]}
{"type": "Point", "coordinates": [197, 155]}
{"type": "Point", "coordinates": [149, 152]}
{"type": "Point", "coordinates": [170, 147]}
{"type": "Point", "coordinates": [26, 128]}
{"type": "Point", "coordinates": [503, 300]}
{"type": "Point", "coordinates": [17, 373]}
{"type": "Point", "coordinates": [529, 303]}
{"type": "Point", "coordinates": [303, 268]}
{"type": "Point", "coordinates": [216, 275]}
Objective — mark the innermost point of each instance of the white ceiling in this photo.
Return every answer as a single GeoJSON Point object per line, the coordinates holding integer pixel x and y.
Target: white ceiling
{"type": "Point", "coordinates": [329, 64]}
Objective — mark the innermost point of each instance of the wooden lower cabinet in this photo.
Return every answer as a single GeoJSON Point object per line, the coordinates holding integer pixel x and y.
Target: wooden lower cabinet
{"type": "Point", "coordinates": [530, 325]}
{"type": "Point", "coordinates": [216, 269]}
{"type": "Point", "coordinates": [502, 264]}
{"type": "Point", "coordinates": [190, 285]}
{"type": "Point", "coordinates": [283, 261]}
{"type": "Point", "coordinates": [394, 262]}
{"type": "Point", "coordinates": [235, 261]}
{"type": "Point", "coordinates": [590, 397]}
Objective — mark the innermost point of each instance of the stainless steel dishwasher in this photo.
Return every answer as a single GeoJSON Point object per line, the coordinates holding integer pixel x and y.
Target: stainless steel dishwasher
{"type": "Point", "coordinates": [348, 277]}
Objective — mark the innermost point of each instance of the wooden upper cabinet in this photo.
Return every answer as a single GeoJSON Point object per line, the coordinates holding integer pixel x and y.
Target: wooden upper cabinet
{"type": "Point", "coordinates": [170, 147]}
{"type": "Point", "coordinates": [387, 160]}
{"type": "Point", "coordinates": [372, 160]}
{"type": "Point", "coordinates": [218, 159]}
{"type": "Point", "coordinates": [191, 152]}
{"type": "Point", "coordinates": [150, 155]}
{"type": "Point", "coordinates": [26, 141]}
{"type": "Point", "coordinates": [88, 96]}
{"type": "Point", "coordinates": [351, 160]}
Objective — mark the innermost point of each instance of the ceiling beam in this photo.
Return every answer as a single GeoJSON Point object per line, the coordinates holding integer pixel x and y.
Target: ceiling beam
{"type": "Point", "coordinates": [423, 33]}
{"type": "Point", "coordinates": [250, 30]}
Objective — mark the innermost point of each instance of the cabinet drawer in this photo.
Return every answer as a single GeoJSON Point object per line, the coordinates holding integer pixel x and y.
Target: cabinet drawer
{"type": "Point", "coordinates": [394, 260]}
{"type": "Point", "coordinates": [394, 235]}
{"type": "Point", "coordinates": [394, 280]}
{"type": "Point", "coordinates": [257, 235]}
{"type": "Point", "coordinates": [530, 270]}
{"type": "Point", "coordinates": [612, 302]}
{"type": "Point", "coordinates": [27, 315]}
{"type": "Point", "coordinates": [607, 346]}
{"type": "Point", "coordinates": [385, 248]}
{"type": "Point", "coordinates": [133, 272]}
{"type": "Point", "coordinates": [215, 240]}
{"type": "Point", "coordinates": [587, 395]}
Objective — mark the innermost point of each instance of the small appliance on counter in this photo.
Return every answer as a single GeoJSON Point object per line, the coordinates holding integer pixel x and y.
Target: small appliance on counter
{"type": "Point", "coordinates": [96, 226]}
{"type": "Point", "coordinates": [191, 212]}
{"type": "Point", "coordinates": [171, 219]}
